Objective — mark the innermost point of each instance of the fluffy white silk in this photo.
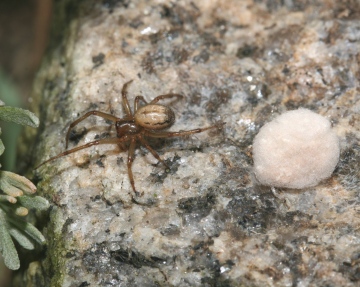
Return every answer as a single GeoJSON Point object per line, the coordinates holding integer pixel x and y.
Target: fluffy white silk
{"type": "Point", "coordinates": [298, 149]}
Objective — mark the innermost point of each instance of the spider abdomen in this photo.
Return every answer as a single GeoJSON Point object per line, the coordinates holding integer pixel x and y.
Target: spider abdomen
{"type": "Point", "coordinates": [155, 117]}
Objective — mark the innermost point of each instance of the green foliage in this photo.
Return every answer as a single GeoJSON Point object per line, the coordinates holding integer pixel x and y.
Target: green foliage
{"type": "Point", "coordinates": [18, 116]}
{"type": "Point", "coordinates": [2, 148]}
{"type": "Point", "coordinates": [16, 197]}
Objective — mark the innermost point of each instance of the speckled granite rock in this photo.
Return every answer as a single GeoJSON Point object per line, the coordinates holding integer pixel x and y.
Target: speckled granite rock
{"type": "Point", "coordinates": [207, 222]}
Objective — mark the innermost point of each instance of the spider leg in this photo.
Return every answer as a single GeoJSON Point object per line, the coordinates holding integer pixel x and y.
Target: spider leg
{"type": "Point", "coordinates": [136, 102]}
{"type": "Point", "coordinates": [95, 113]}
{"type": "Point", "coordinates": [97, 142]}
{"type": "Point", "coordinates": [167, 96]}
{"type": "Point", "coordinates": [130, 160]}
{"type": "Point", "coordinates": [125, 101]}
{"type": "Point", "coordinates": [153, 152]}
{"type": "Point", "coordinates": [181, 133]}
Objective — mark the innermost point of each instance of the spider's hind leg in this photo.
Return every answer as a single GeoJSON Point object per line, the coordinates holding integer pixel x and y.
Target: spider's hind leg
{"type": "Point", "coordinates": [153, 152]}
{"type": "Point", "coordinates": [131, 155]}
{"type": "Point", "coordinates": [136, 102]}
{"type": "Point", "coordinates": [167, 134]}
{"type": "Point", "coordinates": [125, 102]}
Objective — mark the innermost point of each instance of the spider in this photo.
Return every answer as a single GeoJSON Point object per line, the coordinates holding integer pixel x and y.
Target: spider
{"type": "Point", "coordinates": [147, 121]}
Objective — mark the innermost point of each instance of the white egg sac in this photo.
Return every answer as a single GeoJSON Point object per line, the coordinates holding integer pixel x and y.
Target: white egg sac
{"type": "Point", "coordinates": [298, 149]}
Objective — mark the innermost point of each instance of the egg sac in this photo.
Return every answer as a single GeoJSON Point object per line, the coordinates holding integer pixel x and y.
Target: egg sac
{"type": "Point", "coordinates": [297, 149]}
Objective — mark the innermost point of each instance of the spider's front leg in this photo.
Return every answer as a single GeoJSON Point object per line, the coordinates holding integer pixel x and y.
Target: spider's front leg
{"type": "Point", "coordinates": [97, 142]}
{"type": "Point", "coordinates": [91, 113]}
{"type": "Point", "coordinates": [167, 96]}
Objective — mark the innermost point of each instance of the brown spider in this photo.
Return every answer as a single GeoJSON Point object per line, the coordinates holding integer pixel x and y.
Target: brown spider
{"type": "Point", "coordinates": [147, 121]}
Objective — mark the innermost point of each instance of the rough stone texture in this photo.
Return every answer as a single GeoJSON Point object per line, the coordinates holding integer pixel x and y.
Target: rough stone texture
{"type": "Point", "coordinates": [207, 222]}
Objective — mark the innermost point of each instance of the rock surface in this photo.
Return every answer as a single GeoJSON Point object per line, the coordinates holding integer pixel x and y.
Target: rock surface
{"type": "Point", "coordinates": [206, 222]}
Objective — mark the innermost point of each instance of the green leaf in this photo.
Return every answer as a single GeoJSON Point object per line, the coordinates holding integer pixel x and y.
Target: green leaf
{"type": "Point", "coordinates": [37, 202]}
{"type": "Point", "coordinates": [2, 148]}
{"type": "Point", "coordinates": [21, 211]}
{"type": "Point", "coordinates": [18, 116]}
{"type": "Point", "coordinates": [9, 189]}
{"type": "Point", "coordinates": [29, 229]}
{"type": "Point", "coordinates": [13, 183]}
{"type": "Point", "coordinates": [21, 238]}
{"type": "Point", "coordinates": [7, 247]}
{"type": "Point", "coordinates": [7, 198]}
